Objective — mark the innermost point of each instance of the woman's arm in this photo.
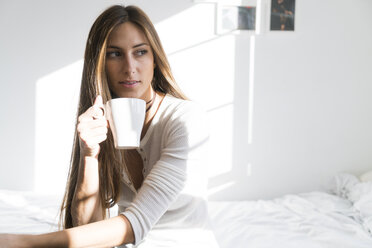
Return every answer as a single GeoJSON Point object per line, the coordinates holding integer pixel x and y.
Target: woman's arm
{"type": "Point", "coordinates": [105, 233]}
{"type": "Point", "coordinates": [86, 206]}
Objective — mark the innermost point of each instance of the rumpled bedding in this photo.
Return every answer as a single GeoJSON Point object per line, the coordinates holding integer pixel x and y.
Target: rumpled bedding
{"type": "Point", "coordinates": [358, 193]}
{"type": "Point", "coordinates": [338, 218]}
{"type": "Point", "coordinates": [28, 212]}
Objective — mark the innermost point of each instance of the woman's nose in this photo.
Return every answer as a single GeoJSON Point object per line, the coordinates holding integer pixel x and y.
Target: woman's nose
{"type": "Point", "coordinates": [129, 65]}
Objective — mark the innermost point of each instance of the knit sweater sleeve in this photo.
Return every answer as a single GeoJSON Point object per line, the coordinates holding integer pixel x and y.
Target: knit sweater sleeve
{"type": "Point", "coordinates": [185, 137]}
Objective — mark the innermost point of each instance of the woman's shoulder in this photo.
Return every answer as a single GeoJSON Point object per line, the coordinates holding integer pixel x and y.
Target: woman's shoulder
{"type": "Point", "coordinates": [183, 122]}
{"type": "Point", "coordinates": [181, 115]}
{"type": "Point", "coordinates": [179, 108]}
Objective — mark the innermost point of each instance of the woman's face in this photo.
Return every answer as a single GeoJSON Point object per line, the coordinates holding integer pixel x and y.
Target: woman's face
{"type": "Point", "coordinates": [129, 62]}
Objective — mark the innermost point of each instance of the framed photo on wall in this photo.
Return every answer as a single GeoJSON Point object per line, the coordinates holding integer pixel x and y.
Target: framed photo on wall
{"type": "Point", "coordinates": [282, 15]}
{"type": "Point", "coordinates": [235, 17]}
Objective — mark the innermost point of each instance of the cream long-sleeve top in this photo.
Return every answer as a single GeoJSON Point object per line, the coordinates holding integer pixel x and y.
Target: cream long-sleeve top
{"type": "Point", "coordinates": [173, 152]}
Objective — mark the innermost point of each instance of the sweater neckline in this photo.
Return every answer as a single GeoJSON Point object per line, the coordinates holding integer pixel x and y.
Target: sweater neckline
{"type": "Point", "coordinates": [153, 122]}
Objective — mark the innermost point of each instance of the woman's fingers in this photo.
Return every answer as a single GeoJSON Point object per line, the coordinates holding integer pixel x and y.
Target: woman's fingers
{"type": "Point", "coordinates": [86, 135]}
{"type": "Point", "coordinates": [92, 113]}
{"type": "Point", "coordinates": [88, 131]}
{"type": "Point", "coordinates": [92, 127]}
{"type": "Point", "coordinates": [94, 141]}
{"type": "Point", "coordinates": [91, 124]}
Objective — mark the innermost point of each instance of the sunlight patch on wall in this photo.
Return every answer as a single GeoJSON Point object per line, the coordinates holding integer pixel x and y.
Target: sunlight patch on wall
{"type": "Point", "coordinates": [198, 20]}
{"type": "Point", "coordinates": [56, 104]}
{"type": "Point", "coordinates": [210, 82]}
{"type": "Point", "coordinates": [251, 88]}
{"type": "Point", "coordinates": [204, 66]}
{"type": "Point", "coordinates": [221, 141]}
{"type": "Point", "coordinates": [206, 73]}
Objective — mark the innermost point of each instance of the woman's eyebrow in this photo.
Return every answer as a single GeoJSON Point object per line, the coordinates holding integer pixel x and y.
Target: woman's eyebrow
{"type": "Point", "coordinates": [135, 46]}
{"type": "Point", "coordinates": [141, 44]}
{"type": "Point", "coordinates": [114, 47]}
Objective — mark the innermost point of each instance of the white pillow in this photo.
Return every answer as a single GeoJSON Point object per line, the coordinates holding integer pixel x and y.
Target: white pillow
{"type": "Point", "coordinates": [366, 177]}
{"type": "Point", "coordinates": [361, 196]}
{"type": "Point", "coordinates": [342, 183]}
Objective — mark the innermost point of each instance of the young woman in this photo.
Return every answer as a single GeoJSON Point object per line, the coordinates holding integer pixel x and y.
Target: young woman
{"type": "Point", "coordinates": [160, 186]}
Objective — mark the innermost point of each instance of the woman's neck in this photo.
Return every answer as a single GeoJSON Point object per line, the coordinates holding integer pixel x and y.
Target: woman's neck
{"type": "Point", "coordinates": [151, 110]}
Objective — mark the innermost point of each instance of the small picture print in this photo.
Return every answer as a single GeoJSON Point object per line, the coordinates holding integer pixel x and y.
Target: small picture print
{"type": "Point", "coordinates": [282, 15]}
{"type": "Point", "coordinates": [238, 18]}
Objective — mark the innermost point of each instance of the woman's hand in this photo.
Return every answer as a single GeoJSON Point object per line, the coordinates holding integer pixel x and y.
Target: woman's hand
{"type": "Point", "coordinates": [92, 129]}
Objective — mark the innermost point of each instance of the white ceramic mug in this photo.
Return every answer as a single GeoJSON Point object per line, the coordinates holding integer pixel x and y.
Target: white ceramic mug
{"type": "Point", "coordinates": [126, 117]}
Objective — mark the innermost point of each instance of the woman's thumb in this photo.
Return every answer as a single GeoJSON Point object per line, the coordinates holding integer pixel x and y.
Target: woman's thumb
{"type": "Point", "coordinates": [98, 105]}
{"type": "Point", "coordinates": [98, 102]}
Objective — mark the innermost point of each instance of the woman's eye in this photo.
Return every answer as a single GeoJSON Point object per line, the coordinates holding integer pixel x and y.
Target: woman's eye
{"type": "Point", "coordinates": [141, 52]}
{"type": "Point", "coordinates": [113, 54]}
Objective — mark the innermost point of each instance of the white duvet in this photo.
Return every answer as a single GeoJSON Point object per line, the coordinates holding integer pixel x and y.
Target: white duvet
{"type": "Point", "coordinates": [341, 218]}
{"type": "Point", "coordinates": [27, 212]}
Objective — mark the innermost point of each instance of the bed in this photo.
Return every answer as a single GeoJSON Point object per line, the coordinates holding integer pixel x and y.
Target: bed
{"type": "Point", "coordinates": [338, 218]}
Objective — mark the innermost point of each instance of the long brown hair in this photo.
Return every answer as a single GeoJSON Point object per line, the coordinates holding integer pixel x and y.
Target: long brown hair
{"type": "Point", "coordinates": [94, 82]}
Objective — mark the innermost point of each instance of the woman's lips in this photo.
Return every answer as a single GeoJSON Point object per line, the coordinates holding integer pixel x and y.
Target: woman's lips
{"type": "Point", "coordinates": [129, 84]}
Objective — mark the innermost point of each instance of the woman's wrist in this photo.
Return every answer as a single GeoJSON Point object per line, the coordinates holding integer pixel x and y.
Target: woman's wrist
{"type": "Point", "coordinates": [89, 153]}
{"type": "Point", "coordinates": [88, 179]}
{"type": "Point", "coordinates": [86, 151]}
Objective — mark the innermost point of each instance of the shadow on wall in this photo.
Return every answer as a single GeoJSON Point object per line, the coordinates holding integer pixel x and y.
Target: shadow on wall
{"type": "Point", "coordinates": [225, 186]}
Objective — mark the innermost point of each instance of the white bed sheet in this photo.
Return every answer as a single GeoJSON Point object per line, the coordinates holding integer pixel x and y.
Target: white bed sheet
{"type": "Point", "coordinates": [308, 220]}
{"type": "Point", "coordinates": [342, 219]}
{"type": "Point", "coordinates": [28, 212]}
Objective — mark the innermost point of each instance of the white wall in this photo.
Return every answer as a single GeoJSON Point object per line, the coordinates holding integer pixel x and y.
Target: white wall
{"type": "Point", "coordinates": [299, 113]}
